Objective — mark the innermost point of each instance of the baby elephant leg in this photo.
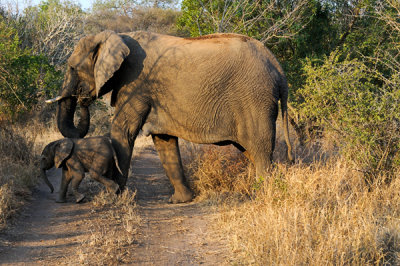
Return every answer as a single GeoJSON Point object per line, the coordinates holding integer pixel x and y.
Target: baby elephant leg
{"type": "Point", "coordinates": [110, 185]}
{"type": "Point", "coordinates": [65, 179]}
{"type": "Point", "coordinates": [74, 172]}
{"type": "Point", "coordinates": [76, 180]}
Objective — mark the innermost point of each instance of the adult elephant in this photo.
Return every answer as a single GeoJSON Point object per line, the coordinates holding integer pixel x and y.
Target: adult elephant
{"type": "Point", "coordinates": [220, 88]}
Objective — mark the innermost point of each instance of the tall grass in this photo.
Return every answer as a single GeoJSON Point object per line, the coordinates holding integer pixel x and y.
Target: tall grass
{"type": "Point", "coordinates": [18, 168]}
{"type": "Point", "coordinates": [113, 232]}
{"type": "Point", "coordinates": [217, 173]}
{"type": "Point", "coordinates": [318, 213]}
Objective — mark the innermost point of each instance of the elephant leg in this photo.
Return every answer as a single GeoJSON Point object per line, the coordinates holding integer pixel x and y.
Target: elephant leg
{"type": "Point", "coordinates": [168, 150]}
{"type": "Point", "coordinates": [125, 128]}
{"type": "Point", "coordinates": [110, 185]}
{"type": "Point", "coordinates": [76, 180]}
{"type": "Point", "coordinates": [120, 179]}
{"type": "Point", "coordinates": [65, 179]}
{"type": "Point", "coordinates": [260, 150]}
{"type": "Point", "coordinates": [263, 165]}
{"type": "Point", "coordinates": [263, 155]}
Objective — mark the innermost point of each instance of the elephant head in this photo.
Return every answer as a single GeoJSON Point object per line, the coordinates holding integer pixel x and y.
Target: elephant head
{"type": "Point", "coordinates": [54, 154]}
{"type": "Point", "coordinates": [93, 62]}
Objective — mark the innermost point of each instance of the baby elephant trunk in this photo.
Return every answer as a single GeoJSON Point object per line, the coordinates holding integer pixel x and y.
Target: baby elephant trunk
{"type": "Point", "coordinates": [46, 180]}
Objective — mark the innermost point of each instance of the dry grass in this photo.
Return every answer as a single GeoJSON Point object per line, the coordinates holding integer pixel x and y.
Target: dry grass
{"type": "Point", "coordinates": [318, 211]}
{"type": "Point", "coordinates": [218, 173]}
{"type": "Point", "coordinates": [115, 227]}
{"type": "Point", "coordinates": [18, 169]}
{"type": "Point", "coordinates": [318, 214]}
{"type": "Point", "coordinates": [113, 232]}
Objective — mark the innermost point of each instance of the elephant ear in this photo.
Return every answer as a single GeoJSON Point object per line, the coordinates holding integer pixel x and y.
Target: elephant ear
{"type": "Point", "coordinates": [111, 53]}
{"type": "Point", "coordinates": [63, 151]}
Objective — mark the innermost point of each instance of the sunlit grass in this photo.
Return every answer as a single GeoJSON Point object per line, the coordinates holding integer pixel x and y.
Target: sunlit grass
{"type": "Point", "coordinates": [317, 213]}
{"type": "Point", "coordinates": [112, 232]}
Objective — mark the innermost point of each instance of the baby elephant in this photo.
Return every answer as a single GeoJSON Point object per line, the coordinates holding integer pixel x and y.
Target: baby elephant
{"type": "Point", "coordinates": [95, 155]}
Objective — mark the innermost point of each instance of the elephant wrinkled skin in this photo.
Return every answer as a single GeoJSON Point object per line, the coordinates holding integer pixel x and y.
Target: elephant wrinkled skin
{"type": "Point", "coordinates": [220, 89]}
{"type": "Point", "coordinates": [77, 156]}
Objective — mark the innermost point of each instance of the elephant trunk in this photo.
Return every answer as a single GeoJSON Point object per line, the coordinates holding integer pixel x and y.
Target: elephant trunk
{"type": "Point", "coordinates": [65, 118]}
{"type": "Point", "coordinates": [46, 180]}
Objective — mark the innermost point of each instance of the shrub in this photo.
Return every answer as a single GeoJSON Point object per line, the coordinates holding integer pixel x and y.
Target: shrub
{"type": "Point", "coordinates": [130, 16]}
{"type": "Point", "coordinates": [52, 28]}
{"type": "Point", "coordinates": [24, 78]}
{"type": "Point", "coordinates": [222, 171]}
{"type": "Point", "coordinates": [354, 106]}
{"type": "Point", "coordinates": [18, 169]}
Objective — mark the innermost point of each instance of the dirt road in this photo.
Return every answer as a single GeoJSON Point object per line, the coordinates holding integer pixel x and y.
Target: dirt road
{"type": "Point", "coordinates": [48, 233]}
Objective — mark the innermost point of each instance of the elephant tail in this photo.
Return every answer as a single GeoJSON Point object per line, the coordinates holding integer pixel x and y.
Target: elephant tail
{"type": "Point", "coordinates": [285, 118]}
{"type": "Point", "coordinates": [115, 158]}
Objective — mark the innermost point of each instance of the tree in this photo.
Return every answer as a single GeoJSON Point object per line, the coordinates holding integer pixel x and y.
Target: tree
{"type": "Point", "coordinates": [131, 15]}
{"type": "Point", "coordinates": [388, 56]}
{"type": "Point", "coordinates": [263, 20]}
{"type": "Point", "coordinates": [52, 28]}
{"type": "Point", "coordinates": [160, 3]}
{"type": "Point", "coordinates": [24, 78]}
{"type": "Point", "coordinates": [353, 94]}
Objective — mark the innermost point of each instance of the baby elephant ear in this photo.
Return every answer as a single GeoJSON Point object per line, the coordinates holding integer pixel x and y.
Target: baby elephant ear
{"type": "Point", "coordinates": [63, 151]}
{"type": "Point", "coordinates": [111, 53]}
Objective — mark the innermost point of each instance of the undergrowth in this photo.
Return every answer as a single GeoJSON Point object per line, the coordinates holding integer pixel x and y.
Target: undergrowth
{"type": "Point", "coordinates": [217, 173]}
{"type": "Point", "coordinates": [319, 212]}
{"type": "Point", "coordinates": [113, 232]}
{"type": "Point", "coordinates": [18, 169]}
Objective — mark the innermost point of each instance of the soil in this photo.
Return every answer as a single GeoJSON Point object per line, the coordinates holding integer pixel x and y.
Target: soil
{"type": "Point", "coordinates": [49, 233]}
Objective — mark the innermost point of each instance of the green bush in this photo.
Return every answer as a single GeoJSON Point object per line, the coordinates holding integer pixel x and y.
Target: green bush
{"type": "Point", "coordinates": [354, 105]}
{"type": "Point", "coordinates": [24, 78]}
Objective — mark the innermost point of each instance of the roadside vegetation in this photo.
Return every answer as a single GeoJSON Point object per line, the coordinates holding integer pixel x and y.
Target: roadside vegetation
{"type": "Point", "coordinates": [318, 211]}
{"type": "Point", "coordinates": [18, 172]}
{"type": "Point", "coordinates": [337, 204]}
{"type": "Point", "coordinates": [113, 232]}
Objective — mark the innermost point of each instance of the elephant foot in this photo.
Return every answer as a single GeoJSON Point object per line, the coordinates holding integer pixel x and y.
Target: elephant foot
{"type": "Point", "coordinates": [121, 185]}
{"type": "Point", "coordinates": [121, 188]}
{"type": "Point", "coordinates": [185, 195]}
{"type": "Point", "coordinates": [79, 198]}
{"type": "Point", "coordinates": [61, 200]}
{"type": "Point", "coordinates": [115, 188]}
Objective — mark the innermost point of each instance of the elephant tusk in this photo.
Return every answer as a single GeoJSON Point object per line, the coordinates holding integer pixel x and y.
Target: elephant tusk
{"type": "Point", "coordinates": [56, 99]}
